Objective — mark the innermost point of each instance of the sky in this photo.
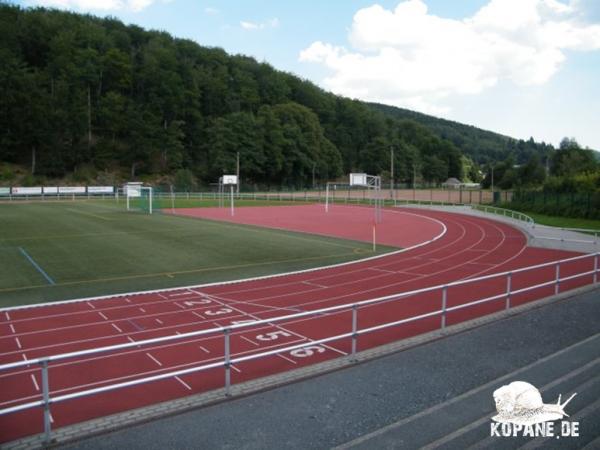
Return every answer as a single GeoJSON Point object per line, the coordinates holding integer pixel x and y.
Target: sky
{"type": "Point", "coordinates": [523, 68]}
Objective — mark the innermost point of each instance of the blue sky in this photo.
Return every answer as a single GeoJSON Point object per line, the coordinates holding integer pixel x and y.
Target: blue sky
{"type": "Point", "coordinates": [519, 67]}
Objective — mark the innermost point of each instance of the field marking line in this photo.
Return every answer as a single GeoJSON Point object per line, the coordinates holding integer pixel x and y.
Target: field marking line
{"type": "Point", "coordinates": [142, 310]}
{"type": "Point", "coordinates": [90, 305]}
{"type": "Point", "coordinates": [287, 359]}
{"type": "Point", "coordinates": [116, 328]}
{"type": "Point", "coordinates": [37, 266]}
{"type": "Point", "coordinates": [203, 349]}
{"type": "Point", "coordinates": [235, 368]}
{"type": "Point", "coordinates": [153, 359]}
{"type": "Point", "coordinates": [184, 383]}
{"type": "Point", "coordinates": [179, 306]}
{"type": "Point", "coordinates": [309, 283]}
{"type": "Point", "coordinates": [198, 315]}
{"type": "Point", "coordinates": [244, 313]}
{"type": "Point", "coordinates": [102, 315]}
{"type": "Point", "coordinates": [7, 316]}
{"type": "Point", "coordinates": [12, 328]}
{"type": "Point", "coordinates": [18, 343]}
{"type": "Point", "coordinates": [35, 383]}
{"type": "Point", "coordinates": [133, 375]}
{"type": "Point", "coordinates": [250, 340]}
{"type": "Point", "coordinates": [160, 322]}
{"type": "Point", "coordinates": [97, 216]}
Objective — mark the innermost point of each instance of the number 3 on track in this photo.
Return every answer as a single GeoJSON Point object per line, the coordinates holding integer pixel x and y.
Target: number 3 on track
{"type": "Point", "coordinates": [306, 351]}
{"type": "Point", "coordinates": [218, 312]}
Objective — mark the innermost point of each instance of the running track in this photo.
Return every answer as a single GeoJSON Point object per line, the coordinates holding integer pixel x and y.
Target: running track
{"type": "Point", "coordinates": [469, 247]}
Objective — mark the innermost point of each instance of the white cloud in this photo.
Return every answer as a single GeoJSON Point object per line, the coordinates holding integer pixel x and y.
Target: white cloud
{"type": "Point", "coordinates": [96, 5]}
{"type": "Point", "coordinates": [253, 26]}
{"type": "Point", "coordinates": [211, 11]}
{"type": "Point", "coordinates": [408, 57]}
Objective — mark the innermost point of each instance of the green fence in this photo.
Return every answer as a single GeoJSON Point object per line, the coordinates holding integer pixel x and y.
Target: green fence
{"type": "Point", "coordinates": [569, 204]}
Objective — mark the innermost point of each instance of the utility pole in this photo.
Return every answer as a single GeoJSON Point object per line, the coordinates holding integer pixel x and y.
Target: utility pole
{"type": "Point", "coordinates": [237, 172]}
{"type": "Point", "coordinates": [392, 172]}
{"type": "Point", "coordinates": [492, 183]}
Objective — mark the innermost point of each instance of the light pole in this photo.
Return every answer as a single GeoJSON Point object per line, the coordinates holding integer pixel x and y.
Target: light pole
{"type": "Point", "coordinates": [493, 200]}
{"type": "Point", "coordinates": [392, 172]}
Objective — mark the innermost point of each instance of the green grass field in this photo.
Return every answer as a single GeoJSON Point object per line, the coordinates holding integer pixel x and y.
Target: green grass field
{"type": "Point", "coordinates": [89, 248]}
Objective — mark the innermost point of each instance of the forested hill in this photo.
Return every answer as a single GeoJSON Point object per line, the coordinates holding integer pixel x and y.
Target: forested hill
{"type": "Point", "coordinates": [481, 145]}
{"type": "Point", "coordinates": [83, 95]}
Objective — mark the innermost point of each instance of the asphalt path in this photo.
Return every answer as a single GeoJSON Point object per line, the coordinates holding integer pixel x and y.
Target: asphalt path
{"type": "Point", "coordinates": [437, 395]}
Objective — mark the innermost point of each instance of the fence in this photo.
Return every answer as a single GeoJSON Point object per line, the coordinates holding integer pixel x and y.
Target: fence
{"type": "Point", "coordinates": [485, 295]}
{"type": "Point", "coordinates": [569, 204]}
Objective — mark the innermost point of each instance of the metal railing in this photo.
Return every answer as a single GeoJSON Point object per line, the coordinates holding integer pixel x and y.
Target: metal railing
{"type": "Point", "coordinates": [313, 345]}
{"type": "Point", "coordinates": [509, 213]}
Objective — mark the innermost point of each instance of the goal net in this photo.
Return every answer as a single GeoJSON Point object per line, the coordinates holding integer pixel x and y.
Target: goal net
{"type": "Point", "coordinates": [139, 198]}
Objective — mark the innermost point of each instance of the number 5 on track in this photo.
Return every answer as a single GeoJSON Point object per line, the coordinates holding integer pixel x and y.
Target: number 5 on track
{"type": "Point", "coordinates": [306, 351]}
{"type": "Point", "coordinates": [272, 336]}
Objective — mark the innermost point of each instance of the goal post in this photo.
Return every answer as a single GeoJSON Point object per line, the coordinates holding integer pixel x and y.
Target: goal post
{"type": "Point", "coordinates": [139, 197]}
{"type": "Point", "coordinates": [361, 180]}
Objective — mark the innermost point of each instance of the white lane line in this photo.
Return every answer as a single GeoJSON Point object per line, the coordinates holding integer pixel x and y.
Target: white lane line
{"type": "Point", "coordinates": [35, 383]}
{"type": "Point", "coordinates": [235, 368]}
{"type": "Point", "coordinates": [116, 328]}
{"type": "Point", "coordinates": [310, 283]}
{"type": "Point", "coordinates": [18, 342]}
{"type": "Point", "coordinates": [184, 383]}
{"type": "Point", "coordinates": [142, 310]}
{"type": "Point", "coordinates": [198, 315]}
{"type": "Point", "coordinates": [249, 340]}
{"type": "Point", "coordinates": [154, 359]}
{"type": "Point", "coordinates": [179, 294]}
{"type": "Point", "coordinates": [90, 305]}
{"type": "Point", "coordinates": [381, 270]}
{"type": "Point", "coordinates": [12, 328]}
{"type": "Point", "coordinates": [159, 321]}
{"type": "Point", "coordinates": [102, 315]}
{"type": "Point", "coordinates": [287, 359]}
{"type": "Point", "coordinates": [203, 349]}
{"type": "Point", "coordinates": [179, 306]}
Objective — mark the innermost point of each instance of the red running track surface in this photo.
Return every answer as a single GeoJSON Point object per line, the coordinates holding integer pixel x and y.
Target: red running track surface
{"type": "Point", "coordinates": [470, 247]}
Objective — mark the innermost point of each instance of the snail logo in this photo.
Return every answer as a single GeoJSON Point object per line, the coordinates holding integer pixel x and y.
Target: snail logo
{"type": "Point", "coordinates": [522, 412]}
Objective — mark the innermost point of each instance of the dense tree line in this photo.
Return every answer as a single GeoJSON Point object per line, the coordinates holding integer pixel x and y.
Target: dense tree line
{"type": "Point", "coordinates": [78, 91]}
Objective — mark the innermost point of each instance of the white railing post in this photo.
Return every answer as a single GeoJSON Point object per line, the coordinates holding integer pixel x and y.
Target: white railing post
{"type": "Point", "coordinates": [444, 305]}
{"type": "Point", "coordinates": [46, 398]}
{"type": "Point", "coordinates": [557, 285]}
{"type": "Point", "coordinates": [508, 287]}
{"type": "Point", "coordinates": [354, 330]}
{"type": "Point", "coordinates": [227, 363]}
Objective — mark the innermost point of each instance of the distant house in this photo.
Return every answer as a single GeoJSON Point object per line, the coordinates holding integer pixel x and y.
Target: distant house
{"type": "Point", "coordinates": [455, 183]}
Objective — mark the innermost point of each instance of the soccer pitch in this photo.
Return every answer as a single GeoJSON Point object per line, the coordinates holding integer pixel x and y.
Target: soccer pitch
{"type": "Point", "coordinates": [61, 250]}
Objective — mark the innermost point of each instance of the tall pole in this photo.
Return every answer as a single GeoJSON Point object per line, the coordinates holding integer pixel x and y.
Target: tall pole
{"type": "Point", "coordinates": [492, 184]}
{"type": "Point", "coordinates": [392, 171]}
{"type": "Point", "coordinates": [414, 182]}
{"type": "Point", "coordinates": [237, 172]}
